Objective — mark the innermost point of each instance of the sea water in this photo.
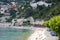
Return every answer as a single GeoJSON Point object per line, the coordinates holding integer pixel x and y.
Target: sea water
{"type": "Point", "coordinates": [14, 34]}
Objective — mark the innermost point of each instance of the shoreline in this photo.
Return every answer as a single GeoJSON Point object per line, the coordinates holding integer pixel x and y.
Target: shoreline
{"type": "Point", "coordinates": [37, 34]}
{"type": "Point", "coordinates": [42, 34]}
{"type": "Point", "coordinates": [22, 27]}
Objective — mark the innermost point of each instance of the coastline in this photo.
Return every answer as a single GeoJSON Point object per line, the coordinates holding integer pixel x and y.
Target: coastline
{"type": "Point", "coordinates": [42, 34]}
{"type": "Point", "coordinates": [37, 34]}
{"type": "Point", "coordinates": [21, 27]}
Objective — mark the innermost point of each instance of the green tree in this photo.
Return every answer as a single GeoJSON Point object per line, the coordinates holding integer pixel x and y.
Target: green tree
{"type": "Point", "coordinates": [12, 13]}
{"type": "Point", "coordinates": [46, 24]}
{"type": "Point", "coordinates": [54, 24]}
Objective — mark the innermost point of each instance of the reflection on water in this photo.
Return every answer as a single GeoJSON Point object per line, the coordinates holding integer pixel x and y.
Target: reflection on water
{"type": "Point", "coordinates": [14, 34]}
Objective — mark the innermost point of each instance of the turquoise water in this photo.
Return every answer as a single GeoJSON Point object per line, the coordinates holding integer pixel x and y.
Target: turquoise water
{"type": "Point", "coordinates": [14, 34]}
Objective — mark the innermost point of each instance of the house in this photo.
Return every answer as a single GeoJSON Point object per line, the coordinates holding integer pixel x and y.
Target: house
{"type": "Point", "coordinates": [38, 23]}
{"type": "Point", "coordinates": [14, 5]}
{"type": "Point", "coordinates": [5, 11]}
{"type": "Point", "coordinates": [40, 3]}
{"type": "Point", "coordinates": [7, 14]}
{"type": "Point", "coordinates": [19, 22]}
{"type": "Point", "coordinates": [4, 19]}
{"type": "Point", "coordinates": [4, 8]}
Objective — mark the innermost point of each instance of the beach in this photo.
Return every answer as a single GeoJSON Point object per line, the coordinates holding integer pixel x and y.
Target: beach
{"type": "Point", "coordinates": [42, 34]}
{"type": "Point", "coordinates": [39, 32]}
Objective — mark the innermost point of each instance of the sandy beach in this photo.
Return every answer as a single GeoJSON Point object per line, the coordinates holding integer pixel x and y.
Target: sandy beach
{"type": "Point", "coordinates": [42, 34]}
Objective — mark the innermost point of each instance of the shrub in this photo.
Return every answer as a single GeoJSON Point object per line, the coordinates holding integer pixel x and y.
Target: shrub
{"type": "Point", "coordinates": [46, 24]}
{"type": "Point", "coordinates": [54, 24]}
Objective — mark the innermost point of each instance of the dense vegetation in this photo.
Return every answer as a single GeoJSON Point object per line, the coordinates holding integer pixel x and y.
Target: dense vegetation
{"type": "Point", "coordinates": [54, 24]}
{"type": "Point", "coordinates": [41, 12]}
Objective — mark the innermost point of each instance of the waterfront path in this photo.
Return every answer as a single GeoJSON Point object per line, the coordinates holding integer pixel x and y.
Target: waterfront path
{"type": "Point", "coordinates": [22, 27]}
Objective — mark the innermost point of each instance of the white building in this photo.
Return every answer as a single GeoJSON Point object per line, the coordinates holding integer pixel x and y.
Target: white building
{"type": "Point", "coordinates": [2, 10]}
{"type": "Point", "coordinates": [40, 3]}
{"type": "Point", "coordinates": [17, 21]}
{"type": "Point", "coordinates": [21, 20]}
{"type": "Point", "coordinates": [4, 19]}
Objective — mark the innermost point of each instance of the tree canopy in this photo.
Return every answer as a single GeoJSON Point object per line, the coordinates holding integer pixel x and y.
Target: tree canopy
{"type": "Point", "coordinates": [54, 24]}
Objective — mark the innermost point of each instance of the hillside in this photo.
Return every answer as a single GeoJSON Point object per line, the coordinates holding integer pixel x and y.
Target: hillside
{"type": "Point", "coordinates": [40, 12]}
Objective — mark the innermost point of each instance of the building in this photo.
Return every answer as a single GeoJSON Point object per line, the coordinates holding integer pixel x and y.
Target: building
{"type": "Point", "coordinates": [40, 3]}
{"type": "Point", "coordinates": [4, 8]}
{"type": "Point", "coordinates": [19, 22]}
{"type": "Point", "coordinates": [4, 19]}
